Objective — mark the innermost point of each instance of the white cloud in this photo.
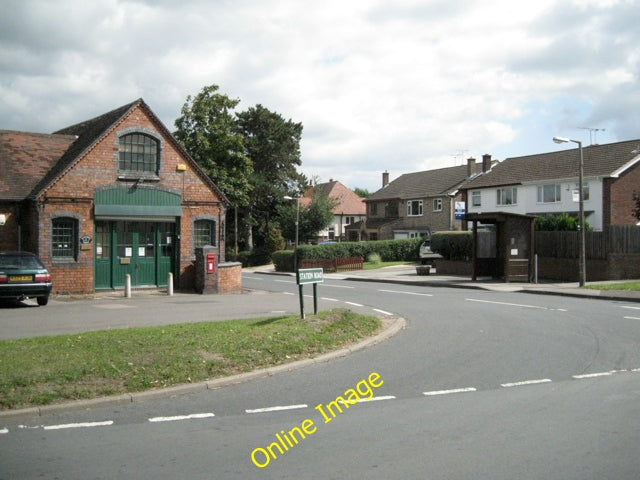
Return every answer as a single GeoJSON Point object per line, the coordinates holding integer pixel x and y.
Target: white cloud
{"type": "Point", "coordinates": [398, 86]}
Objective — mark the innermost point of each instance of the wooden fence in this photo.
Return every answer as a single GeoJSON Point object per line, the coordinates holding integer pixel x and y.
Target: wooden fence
{"type": "Point", "coordinates": [616, 239]}
{"type": "Point", "coordinates": [334, 264]}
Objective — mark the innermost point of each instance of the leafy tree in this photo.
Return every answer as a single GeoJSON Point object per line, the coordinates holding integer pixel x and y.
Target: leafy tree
{"type": "Point", "coordinates": [314, 216]}
{"type": "Point", "coordinates": [273, 146]}
{"type": "Point", "coordinates": [207, 130]}
{"type": "Point", "coordinates": [362, 192]}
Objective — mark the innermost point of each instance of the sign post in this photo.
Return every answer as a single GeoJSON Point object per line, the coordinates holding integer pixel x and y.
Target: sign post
{"type": "Point", "coordinates": [309, 275]}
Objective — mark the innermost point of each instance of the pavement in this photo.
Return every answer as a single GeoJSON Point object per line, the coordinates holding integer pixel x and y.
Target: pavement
{"type": "Point", "coordinates": [404, 274]}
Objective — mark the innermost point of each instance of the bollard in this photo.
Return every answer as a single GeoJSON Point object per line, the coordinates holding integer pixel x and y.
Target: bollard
{"type": "Point", "coordinates": [170, 284]}
{"type": "Point", "coordinates": [127, 285]}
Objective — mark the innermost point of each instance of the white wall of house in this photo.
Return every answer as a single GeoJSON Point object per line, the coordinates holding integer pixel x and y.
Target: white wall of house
{"type": "Point", "coordinates": [527, 200]}
{"type": "Point", "coordinates": [339, 223]}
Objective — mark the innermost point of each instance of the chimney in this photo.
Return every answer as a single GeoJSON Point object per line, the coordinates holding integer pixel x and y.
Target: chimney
{"type": "Point", "coordinates": [471, 167]}
{"type": "Point", "coordinates": [486, 162]}
{"type": "Point", "coordinates": [385, 179]}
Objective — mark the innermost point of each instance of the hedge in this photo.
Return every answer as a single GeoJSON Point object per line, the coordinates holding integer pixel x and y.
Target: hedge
{"type": "Point", "coordinates": [388, 250]}
{"type": "Point", "coordinates": [453, 245]}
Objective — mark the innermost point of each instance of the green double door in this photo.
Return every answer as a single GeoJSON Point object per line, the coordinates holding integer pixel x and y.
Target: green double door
{"type": "Point", "coordinates": [144, 250]}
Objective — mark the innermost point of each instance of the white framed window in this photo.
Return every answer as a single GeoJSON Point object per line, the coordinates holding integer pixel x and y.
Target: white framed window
{"type": "Point", "coordinates": [549, 193]}
{"type": "Point", "coordinates": [414, 208]}
{"type": "Point", "coordinates": [585, 190]}
{"type": "Point", "coordinates": [437, 204]}
{"type": "Point", "coordinates": [476, 198]}
{"type": "Point", "coordinates": [507, 196]}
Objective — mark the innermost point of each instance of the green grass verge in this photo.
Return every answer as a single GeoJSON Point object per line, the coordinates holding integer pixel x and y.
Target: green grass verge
{"type": "Point", "coordinates": [45, 370]}
{"type": "Point", "coordinates": [632, 286]}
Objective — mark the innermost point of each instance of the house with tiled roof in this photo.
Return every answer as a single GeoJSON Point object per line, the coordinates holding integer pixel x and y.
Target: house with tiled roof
{"type": "Point", "coordinates": [349, 209]}
{"type": "Point", "coordinates": [547, 183]}
{"type": "Point", "coordinates": [112, 197]}
{"type": "Point", "coordinates": [418, 204]}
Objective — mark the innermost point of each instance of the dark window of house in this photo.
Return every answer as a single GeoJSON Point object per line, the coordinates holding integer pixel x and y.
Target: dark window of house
{"type": "Point", "coordinates": [63, 237]}
{"type": "Point", "coordinates": [204, 233]}
{"type": "Point", "coordinates": [139, 153]}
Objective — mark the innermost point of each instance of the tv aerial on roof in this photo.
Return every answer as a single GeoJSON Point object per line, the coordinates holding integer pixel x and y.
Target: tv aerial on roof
{"type": "Point", "coordinates": [593, 134]}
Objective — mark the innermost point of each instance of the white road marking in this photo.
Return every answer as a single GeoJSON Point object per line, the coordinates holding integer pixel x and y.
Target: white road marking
{"type": "Point", "coordinates": [599, 374]}
{"type": "Point", "coordinates": [507, 304]}
{"type": "Point", "coordinates": [78, 425]}
{"type": "Point", "coordinates": [636, 370]}
{"type": "Point", "coordinates": [4, 430]}
{"type": "Point", "coordinates": [288, 293]}
{"type": "Point", "coordinates": [377, 399]}
{"type": "Point", "coordinates": [408, 293]}
{"type": "Point", "coordinates": [329, 299]}
{"type": "Point", "coordinates": [335, 286]}
{"type": "Point", "coordinates": [285, 281]}
{"type": "Point", "coordinates": [631, 308]}
{"type": "Point", "coordinates": [449, 392]}
{"type": "Point", "coordinates": [253, 277]}
{"type": "Point", "coordinates": [525, 382]}
{"type": "Point", "coordinates": [631, 318]}
{"type": "Point", "coordinates": [354, 304]}
{"type": "Point", "coordinates": [193, 416]}
{"type": "Point", "coordinates": [277, 409]}
{"type": "Point", "coordinates": [382, 311]}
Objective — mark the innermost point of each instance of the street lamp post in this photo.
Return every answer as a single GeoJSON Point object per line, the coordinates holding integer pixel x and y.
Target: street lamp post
{"type": "Point", "coordinates": [582, 241]}
{"type": "Point", "coordinates": [295, 247]}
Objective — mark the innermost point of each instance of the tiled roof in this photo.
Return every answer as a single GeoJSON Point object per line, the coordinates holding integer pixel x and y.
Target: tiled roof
{"type": "Point", "coordinates": [39, 159]}
{"type": "Point", "coordinates": [599, 161]}
{"type": "Point", "coordinates": [26, 158]}
{"type": "Point", "coordinates": [87, 133]}
{"type": "Point", "coordinates": [424, 184]}
{"type": "Point", "coordinates": [349, 203]}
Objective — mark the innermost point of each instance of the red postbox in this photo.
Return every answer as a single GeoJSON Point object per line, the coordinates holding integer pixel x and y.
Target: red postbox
{"type": "Point", "coordinates": [211, 262]}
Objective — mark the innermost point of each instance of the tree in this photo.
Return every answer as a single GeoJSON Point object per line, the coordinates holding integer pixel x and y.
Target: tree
{"type": "Point", "coordinates": [207, 130]}
{"type": "Point", "coordinates": [362, 192]}
{"type": "Point", "coordinates": [273, 146]}
{"type": "Point", "coordinates": [636, 210]}
{"type": "Point", "coordinates": [313, 217]}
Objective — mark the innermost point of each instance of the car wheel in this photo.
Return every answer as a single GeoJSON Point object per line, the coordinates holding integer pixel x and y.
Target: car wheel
{"type": "Point", "coordinates": [42, 301]}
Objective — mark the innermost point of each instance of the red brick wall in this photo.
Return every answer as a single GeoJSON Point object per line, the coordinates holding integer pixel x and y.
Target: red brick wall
{"type": "Point", "coordinates": [621, 193]}
{"type": "Point", "coordinates": [74, 191]}
{"type": "Point", "coordinates": [230, 278]}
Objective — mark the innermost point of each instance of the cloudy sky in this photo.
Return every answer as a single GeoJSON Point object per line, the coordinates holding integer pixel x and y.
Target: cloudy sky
{"type": "Point", "coordinates": [401, 86]}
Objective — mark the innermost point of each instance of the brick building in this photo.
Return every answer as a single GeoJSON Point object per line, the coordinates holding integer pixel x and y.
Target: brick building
{"type": "Point", "coordinates": [107, 197]}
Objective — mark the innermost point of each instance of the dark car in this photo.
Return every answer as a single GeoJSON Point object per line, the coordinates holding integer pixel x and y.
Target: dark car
{"type": "Point", "coordinates": [22, 275]}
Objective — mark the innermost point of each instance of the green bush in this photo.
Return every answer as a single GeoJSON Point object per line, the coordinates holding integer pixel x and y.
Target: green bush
{"type": "Point", "coordinates": [388, 250]}
{"type": "Point", "coordinates": [452, 245]}
{"type": "Point", "coordinates": [283, 260]}
{"type": "Point", "coordinates": [562, 222]}
{"type": "Point", "coordinates": [374, 258]}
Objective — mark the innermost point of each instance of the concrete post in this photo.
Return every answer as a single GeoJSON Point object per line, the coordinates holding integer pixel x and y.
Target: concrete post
{"type": "Point", "coordinates": [127, 285]}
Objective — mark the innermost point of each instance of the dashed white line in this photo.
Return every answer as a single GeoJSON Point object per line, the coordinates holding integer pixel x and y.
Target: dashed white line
{"type": "Point", "coordinates": [325, 285]}
{"type": "Point", "coordinates": [599, 374]}
{"type": "Point", "coordinates": [525, 382]}
{"type": "Point", "coordinates": [354, 304]}
{"type": "Point", "coordinates": [631, 318]}
{"type": "Point", "coordinates": [407, 293]}
{"type": "Point", "coordinates": [277, 408]}
{"type": "Point", "coordinates": [630, 307]}
{"type": "Point", "coordinates": [78, 425]}
{"type": "Point", "coordinates": [3, 431]}
{"type": "Point", "coordinates": [377, 399]}
{"type": "Point", "coordinates": [506, 304]}
{"type": "Point", "coordinates": [382, 311]}
{"type": "Point", "coordinates": [329, 299]}
{"type": "Point", "coordinates": [192, 416]}
{"type": "Point", "coordinates": [449, 392]}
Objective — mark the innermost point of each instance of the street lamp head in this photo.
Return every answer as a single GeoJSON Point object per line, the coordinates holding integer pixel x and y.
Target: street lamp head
{"type": "Point", "coordinates": [561, 140]}
{"type": "Point", "coordinates": [287, 197]}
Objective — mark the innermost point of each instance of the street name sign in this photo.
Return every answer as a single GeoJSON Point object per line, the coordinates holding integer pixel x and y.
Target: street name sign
{"type": "Point", "coordinates": [310, 275]}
